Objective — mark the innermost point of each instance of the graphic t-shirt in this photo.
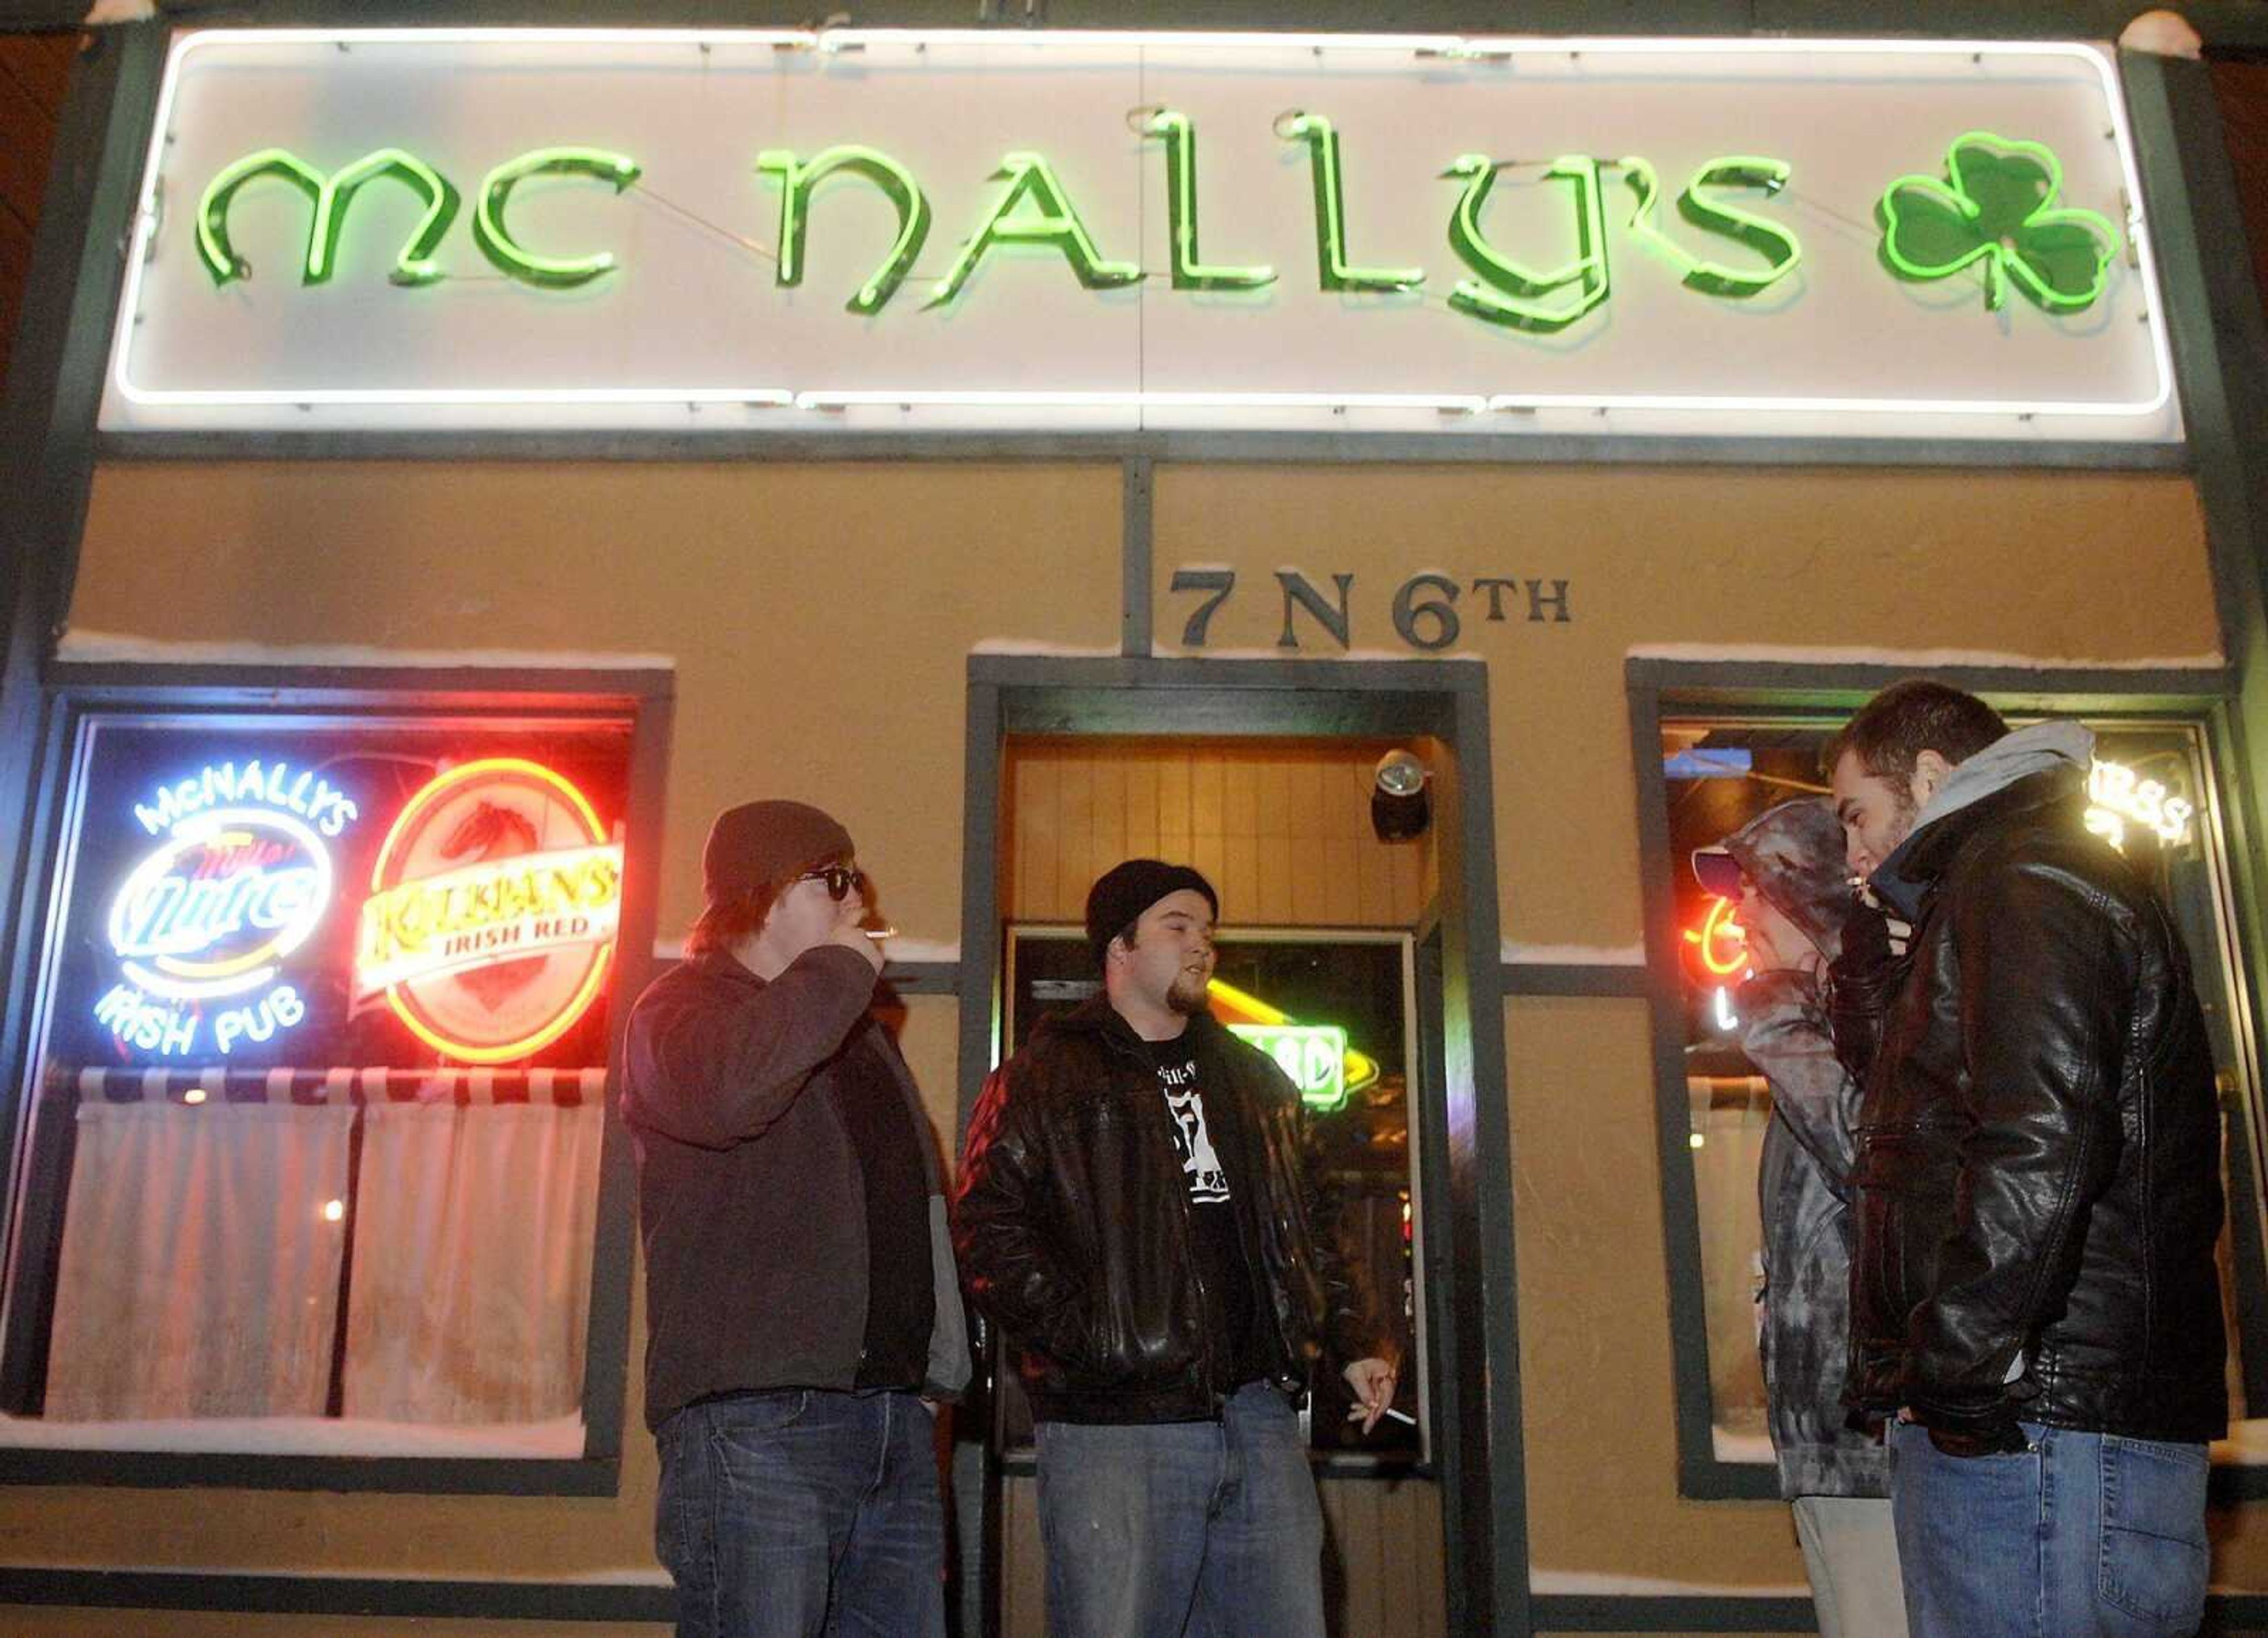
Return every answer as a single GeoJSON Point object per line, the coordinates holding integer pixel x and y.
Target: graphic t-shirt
{"type": "Point", "coordinates": [1216, 1245]}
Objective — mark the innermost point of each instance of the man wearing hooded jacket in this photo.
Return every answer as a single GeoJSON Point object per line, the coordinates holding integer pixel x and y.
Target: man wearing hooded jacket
{"type": "Point", "coordinates": [1784, 871]}
{"type": "Point", "coordinates": [2036, 1302]}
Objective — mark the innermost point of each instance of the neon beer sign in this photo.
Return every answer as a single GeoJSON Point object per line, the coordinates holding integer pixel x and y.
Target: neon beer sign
{"type": "Point", "coordinates": [2118, 797]}
{"type": "Point", "coordinates": [492, 912]}
{"type": "Point", "coordinates": [1315, 1056]}
{"type": "Point", "coordinates": [203, 925]}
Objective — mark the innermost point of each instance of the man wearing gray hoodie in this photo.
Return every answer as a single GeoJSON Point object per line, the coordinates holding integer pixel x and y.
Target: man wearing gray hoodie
{"type": "Point", "coordinates": [2035, 1306]}
{"type": "Point", "coordinates": [1783, 872]}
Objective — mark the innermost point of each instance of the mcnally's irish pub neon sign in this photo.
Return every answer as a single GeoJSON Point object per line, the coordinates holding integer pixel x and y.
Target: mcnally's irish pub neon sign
{"type": "Point", "coordinates": [1996, 208]}
{"type": "Point", "coordinates": [538, 225]}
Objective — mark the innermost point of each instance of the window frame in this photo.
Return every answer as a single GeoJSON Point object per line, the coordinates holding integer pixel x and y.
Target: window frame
{"type": "Point", "coordinates": [2204, 698]}
{"type": "Point", "coordinates": [72, 695]}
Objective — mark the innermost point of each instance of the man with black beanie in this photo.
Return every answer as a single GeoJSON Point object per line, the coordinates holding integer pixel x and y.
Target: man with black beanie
{"type": "Point", "coordinates": [1137, 1214]}
{"type": "Point", "coordinates": [801, 1302]}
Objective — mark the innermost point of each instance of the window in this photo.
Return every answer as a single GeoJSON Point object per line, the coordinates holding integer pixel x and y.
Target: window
{"type": "Point", "coordinates": [308, 1158]}
{"type": "Point", "coordinates": [1333, 1008]}
{"type": "Point", "coordinates": [2151, 796]}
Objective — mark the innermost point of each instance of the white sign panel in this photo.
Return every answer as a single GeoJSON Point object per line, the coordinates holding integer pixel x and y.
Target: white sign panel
{"type": "Point", "coordinates": [862, 229]}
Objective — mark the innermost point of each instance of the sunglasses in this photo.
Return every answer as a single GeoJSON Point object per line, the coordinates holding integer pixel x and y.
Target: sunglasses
{"type": "Point", "coordinates": [840, 879]}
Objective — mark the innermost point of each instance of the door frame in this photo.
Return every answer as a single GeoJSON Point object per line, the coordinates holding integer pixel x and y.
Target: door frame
{"type": "Point", "coordinates": [1471, 1288]}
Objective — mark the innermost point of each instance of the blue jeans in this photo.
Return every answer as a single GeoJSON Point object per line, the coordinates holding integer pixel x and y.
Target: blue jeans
{"type": "Point", "coordinates": [2083, 1535]}
{"type": "Point", "coordinates": [803, 1514]}
{"type": "Point", "coordinates": [1202, 1529]}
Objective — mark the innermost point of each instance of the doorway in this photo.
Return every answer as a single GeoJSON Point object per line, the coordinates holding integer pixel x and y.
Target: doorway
{"type": "Point", "coordinates": [1259, 774]}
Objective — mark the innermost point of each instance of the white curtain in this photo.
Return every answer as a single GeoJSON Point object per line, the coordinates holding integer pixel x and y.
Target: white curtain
{"type": "Point", "coordinates": [472, 1262]}
{"type": "Point", "coordinates": [200, 1271]}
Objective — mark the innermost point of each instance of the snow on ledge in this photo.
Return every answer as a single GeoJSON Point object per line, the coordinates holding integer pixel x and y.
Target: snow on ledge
{"type": "Point", "coordinates": [624, 1576]}
{"type": "Point", "coordinates": [1022, 647]}
{"type": "Point", "coordinates": [82, 647]}
{"type": "Point", "coordinates": [556, 1439]}
{"type": "Point", "coordinates": [1605, 1583]}
{"type": "Point", "coordinates": [1916, 659]}
{"type": "Point", "coordinates": [1629, 955]}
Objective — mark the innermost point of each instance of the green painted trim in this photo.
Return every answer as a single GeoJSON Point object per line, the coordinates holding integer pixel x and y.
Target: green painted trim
{"type": "Point", "coordinates": [1450, 448]}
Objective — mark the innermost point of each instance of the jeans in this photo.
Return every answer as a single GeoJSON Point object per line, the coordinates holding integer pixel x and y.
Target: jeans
{"type": "Point", "coordinates": [2082, 1535]}
{"type": "Point", "coordinates": [1183, 1530]}
{"type": "Point", "coordinates": [803, 1514]}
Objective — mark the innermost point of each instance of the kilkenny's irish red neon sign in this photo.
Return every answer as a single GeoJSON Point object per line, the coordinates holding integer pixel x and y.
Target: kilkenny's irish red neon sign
{"type": "Point", "coordinates": [492, 911]}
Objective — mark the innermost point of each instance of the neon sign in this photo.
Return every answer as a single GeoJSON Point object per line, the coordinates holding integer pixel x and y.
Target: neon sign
{"type": "Point", "coordinates": [492, 913]}
{"type": "Point", "coordinates": [1996, 208]}
{"type": "Point", "coordinates": [1312, 1056]}
{"type": "Point", "coordinates": [1720, 943]}
{"type": "Point", "coordinates": [239, 880]}
{"type": "Point", "coordinates": [1299, 1049]}
{"type": "Point", "coordinates": [2118, 797]}
{"type": "Point", "coordinates": [1341, 179]}
{"type": "Point", "coordinates": [1036, 208]}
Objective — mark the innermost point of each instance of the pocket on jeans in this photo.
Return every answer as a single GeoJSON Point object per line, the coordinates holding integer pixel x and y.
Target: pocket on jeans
{"type": "Point", "coordinates": [2153, 1559]}
{"type": "Point", "coordinates": [755, 1414]}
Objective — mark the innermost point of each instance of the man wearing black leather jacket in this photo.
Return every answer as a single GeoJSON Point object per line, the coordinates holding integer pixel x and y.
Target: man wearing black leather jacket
{"type": "Point", "coordinates": [1136, 1214]}
{"type": "Point", "coordinates": [2035, 1301]}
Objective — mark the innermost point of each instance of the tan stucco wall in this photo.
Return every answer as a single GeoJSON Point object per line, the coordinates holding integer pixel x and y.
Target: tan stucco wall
{"type": "Point", "coordinates": [819, 618]}
{"type": "Point", "coordinates": [2072, 566]}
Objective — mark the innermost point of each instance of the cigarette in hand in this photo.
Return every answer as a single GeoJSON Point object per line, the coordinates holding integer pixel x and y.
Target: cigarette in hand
{"type": "Point", "coordinates": [880, 933]}
{"type": "Point", "coordinates": [1401, 1416]}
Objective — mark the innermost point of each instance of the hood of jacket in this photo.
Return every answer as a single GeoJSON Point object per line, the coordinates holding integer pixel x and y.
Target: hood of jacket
{"type": "Point", "coordinates": [2050, 760]}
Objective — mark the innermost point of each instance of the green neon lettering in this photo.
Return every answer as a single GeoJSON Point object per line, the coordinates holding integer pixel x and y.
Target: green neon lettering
{"type": "Point", "coordinates": [1332, 269]}
{"type": "Point", "coordinates": [514, 258]}
{"type": "Point", "coordinates": [1769, 239]}
{"type": "Point", "coordinates": [798, 183]}
{"type": "Point", "coordinates": [1189, 273]}
{"type": "Point", "coordinates": [331, 195]}
{"type": "Point", "coordinates": [1032, 180]}
{"type": "Point", "coordinates": [1509, 291]}
{"type": "Point", "coordinates": [1997, 206]}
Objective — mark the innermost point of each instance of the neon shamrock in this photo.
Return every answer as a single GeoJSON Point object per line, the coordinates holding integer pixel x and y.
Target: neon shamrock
{"type": "Point", "coordinates": [1996, 205]}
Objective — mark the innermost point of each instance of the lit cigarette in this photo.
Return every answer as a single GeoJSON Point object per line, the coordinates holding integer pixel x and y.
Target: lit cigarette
{"type": "Point", "coordinates": [879, 933]}
{"type": "Point", "coordinates": [1401, 1416]}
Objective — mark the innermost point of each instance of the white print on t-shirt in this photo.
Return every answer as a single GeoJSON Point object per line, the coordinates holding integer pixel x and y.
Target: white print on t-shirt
{"type": "Point", "coordinates": [1208, 1181]}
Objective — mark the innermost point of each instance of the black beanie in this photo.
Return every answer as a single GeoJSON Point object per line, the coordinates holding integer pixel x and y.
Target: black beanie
{"type": "Point", "coordinates": [760, 842]}
{"type": "Point", "coordinates": [1122, 893]}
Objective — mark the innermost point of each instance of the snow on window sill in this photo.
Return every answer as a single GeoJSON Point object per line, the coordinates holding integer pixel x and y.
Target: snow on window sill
{"type": "Point", "coordinates": [561, 1438]}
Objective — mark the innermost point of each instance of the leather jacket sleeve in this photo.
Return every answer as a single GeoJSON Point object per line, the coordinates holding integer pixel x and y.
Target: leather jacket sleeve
{"type": "Point", "coordinates": [1860, 982]}
{"type": "Point", "coordinates": [1008, 1264]}
{"type": "Point", "coordinates": [2045, 982]}
{"type": "Point", "coordinates": [714, 1063]}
